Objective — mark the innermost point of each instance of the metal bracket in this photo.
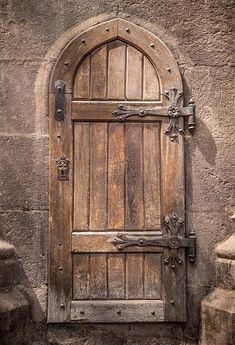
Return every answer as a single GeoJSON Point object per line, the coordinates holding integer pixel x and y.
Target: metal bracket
{"type": "Point", "coordinates": [59, 100]}
{"type": "Point", "coordinates": [173, 112]}
{"type": "Point", "coordinates": [62, 168]}
{"type": "Point", "coordinates": [171, 239]}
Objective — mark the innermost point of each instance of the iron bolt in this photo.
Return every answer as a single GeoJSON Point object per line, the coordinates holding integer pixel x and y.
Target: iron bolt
{"type": "Point", "coordinates": [82, 312]}
{"type": "Point", "coordinates": [61, 268]}
{"type": "Point", "coordinates": [83, 40]}
{"type": "Point", "coordinates": [62, 306]}
{"type": "Point", "coordinates": [127, 30]}
{"type": "Point", "coordinates": [106, 29]}
{"type": "Point", "coordinates": [119, 312]}
{"type": "Point", "coordinates": [60, 243]}
{"type": "Point", "coordinates": [66, 63]}
{"type": "Point", "coordinates": [152, 45]}
{"type": "Point", "coordinates": [168, 69]}
{"type": "Point", "coordinates": [153, 313]}
{"type": "Point", "coordinates": [172, 302]}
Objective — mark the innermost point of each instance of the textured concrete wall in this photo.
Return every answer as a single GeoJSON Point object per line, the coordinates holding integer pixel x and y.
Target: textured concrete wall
{"type": "Point", "coordinates": [199, 34]}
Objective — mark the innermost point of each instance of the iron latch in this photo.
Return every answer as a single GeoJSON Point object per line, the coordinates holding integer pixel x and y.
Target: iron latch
{"type": "Point", "coordinates": [171, 239]}
{"type": "Point", "coordinates": [59, 100]}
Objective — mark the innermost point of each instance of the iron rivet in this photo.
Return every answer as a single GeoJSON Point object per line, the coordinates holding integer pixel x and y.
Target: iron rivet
{"type": "Point", "coordinates": [153, 313]}
{"type": "Point", "coordinates": [58, 136]}
{"type": "Point", "coordinates": [106, 29]}
{"type": "Point", "coordinates": [152, 45]}
{"type": "Point", "coordinates": [60, 243]}
{"type": "Point", "coordinates": [172, 302]}
{"type": "Point", "coordinates": [59, 111]}
{"type": "Point", "coordinates": [62, 306]}
{"type": "Point", "coordinates": [83, 40]}
{"type": "Point", "coordinates": [168, 69]}
{"type": "Point", "coordinates": [119, 312]}
{"type": "Point", "coordinates": [82, 312]}
{"type": "Point", "coordinates": [61, 268]}
{"type": "Point", "coordinates": [127, 30]}
{"type": "Point", "coordinates": [66, 63]}
{"type": "Point", "coordinates": [59, 88]}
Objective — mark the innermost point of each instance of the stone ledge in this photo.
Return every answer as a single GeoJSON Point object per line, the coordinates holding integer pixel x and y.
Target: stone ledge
{"type": "Point", "coordinates": [226, 250]}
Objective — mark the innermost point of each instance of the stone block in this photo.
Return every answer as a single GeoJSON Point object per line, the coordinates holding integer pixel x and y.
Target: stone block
{"type": "Point", "coordinates": [225, 274]}
{"type": "Point", "coordinates": [211, 228]}
{"type": "Point", "coordinates": [209, 175]}
{"type": "Point", "coordinates": [218, 318]}
{"type": "Point", "coordinates": [18, 98]}
{"type": "Point", "coordinates": [24, 172]}
{"type": "Point", "coordinates": [28, 232]}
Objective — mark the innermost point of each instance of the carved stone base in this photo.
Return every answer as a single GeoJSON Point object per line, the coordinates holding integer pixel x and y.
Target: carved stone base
{"type": "Point", "coordinates": [218, 308]}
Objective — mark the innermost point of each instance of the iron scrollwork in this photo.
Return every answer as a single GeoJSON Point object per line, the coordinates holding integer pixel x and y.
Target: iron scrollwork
{"type": "Point", "coordinates": [174, 112]}
{"type": "Point", "coordinates": [171, 240]}
{"type": "Point", "coordinates": [62, 168]}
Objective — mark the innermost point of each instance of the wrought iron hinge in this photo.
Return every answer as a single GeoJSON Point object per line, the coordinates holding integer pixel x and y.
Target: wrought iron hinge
{"type": "Point", "coordinates": [62, 168]}
{"type": "Point", "coordinates": [173, 112]}
{"type": "Point", "coordinates": [171, 239]}
{"type": "Point", "coordinates": [59, 100]}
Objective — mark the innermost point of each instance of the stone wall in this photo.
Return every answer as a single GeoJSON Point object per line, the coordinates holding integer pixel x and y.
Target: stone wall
{"type": "Point", "coordinates": [199, 34]}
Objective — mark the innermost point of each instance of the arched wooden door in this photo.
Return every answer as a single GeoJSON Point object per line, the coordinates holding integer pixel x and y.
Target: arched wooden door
{"type": "Point", "coordinates": [117, 238]}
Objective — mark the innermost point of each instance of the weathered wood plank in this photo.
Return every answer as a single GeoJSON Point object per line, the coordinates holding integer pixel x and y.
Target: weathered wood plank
{"type": "Point", "coordinates": [98, 78]}
{"type": "Point", "coordinates": [102, 111]}
{"type": "Point", "coordinates": [151, 87]}
{"type": "Point", "coordinates": [98, 176]}
{"type": "Point", "coordinates": [82, 80]}
{"type": "Point", "coordinates": [100, 242]}
{"type": "Point", "coordinates": [81, 284]}
{"type": "Point", "coordinates": [173, 196]}
{"type": "Point", "coordinates": [116, 70]}
{"type": "Point", "coordinates": [134, 73]}
{"type": "Point", "coordinates": [134, 276]}
{"type": "Point", "coordinates": [98, 276]}
{"type": "Point", "coordinates": [116, 276]}
{"type": "Point", "coordinates": [134, 177]}
{"type": "Point", "coordinates": [116, 163]}
{"type": "Point", "coordinates": [152, 177]}
{"type": "Point", "coordinates": [81, 175]}
{"type": "Point", "coordinates": [60, 217]}
{"type": "Point", "coordinates": [152, 276]}
{"type": "Point", "coordinates": [117, 311]}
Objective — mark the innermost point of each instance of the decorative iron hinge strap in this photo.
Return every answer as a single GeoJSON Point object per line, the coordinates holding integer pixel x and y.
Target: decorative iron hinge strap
{"type": "Point", "coordinates": [59, 100]}
{"type": "Point", "coordinates": [173, 112]}
{"type": "Point", "coordinates": [171, 239]}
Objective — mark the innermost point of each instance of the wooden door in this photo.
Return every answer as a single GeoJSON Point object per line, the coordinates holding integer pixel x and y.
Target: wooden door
{"type": "Point", "coordinates": [117, 237]}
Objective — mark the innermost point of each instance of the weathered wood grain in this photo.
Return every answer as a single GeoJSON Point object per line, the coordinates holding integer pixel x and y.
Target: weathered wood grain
{"type": "Point", "coordinates": [116, 276]}
{"type": "Point", "coordinates": [117, 311]}
{"type": "Point", "coordinates": [81, 175]}
{"type": "Point", "coordinates": [98, 85]}
{"type": "Point", "coordinates": [151, 87]}
{"type": "Point", "coordinates": [98, 176]}
{"type": "Point", "coordinates": [81, 276]}
{"type": "Point", "coordinates": [134, 71]}
{"type": "Point", "coordinates": [134, 276]}
{"type": "Point", "coordinates": [98, 276]}
{"type": "Point", "coordinates": [152, 276]}
{"type": "Point", "coordinates": [82, 80]}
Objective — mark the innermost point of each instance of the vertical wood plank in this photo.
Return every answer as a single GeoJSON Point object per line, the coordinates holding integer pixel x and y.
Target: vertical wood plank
{"type": "Point", "coordinates": [134, 177]}
{"type": "Point", "coordinates": [172, 158]}
{"type": "Point", "coordinates": [152, 274]}
{"type": "Point", "coordinates": [134, 276]}
{"type": "Point", "coordinates": [151, 88]}
{"type": "Point", "coordinates": [82, 80]}
{"type": "Point", "coordinates": [60, 217]}
{"type": "Point", "coordinates": [81, 289]}
{"type": "Point", "coordinates": [134, 74]}
{"type": "Point", "coordinates": [116, 70]}
{"type": "Point", "coordinates": [81, 175]}
{"type": "Point", "coordinates": [98, 276]}
{"type": "Point", "coordinates": [99, 73]}
{"type": "Point", "coordinates": [116, 163]}
{"type": "Point", "coordinates": [116, 276]}
{"type": "Point", "coordinates": [98, 176]}
{"type": "Point", "coordinates": [152, 191]}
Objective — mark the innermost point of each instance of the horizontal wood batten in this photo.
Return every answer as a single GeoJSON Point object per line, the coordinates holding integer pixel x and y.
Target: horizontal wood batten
{"type": "Point", "coordinates": [100, 242]}
{"type": "Point", "coordinates": [99, 111]}
{"type": "Point", "coordinates": [117, 311]}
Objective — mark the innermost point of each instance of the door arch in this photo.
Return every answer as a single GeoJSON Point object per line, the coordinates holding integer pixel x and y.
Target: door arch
{"type": "Point", "coordinates": [117, 244]}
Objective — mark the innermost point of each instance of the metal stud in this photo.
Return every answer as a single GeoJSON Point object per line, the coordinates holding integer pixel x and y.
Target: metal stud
{"type": "Point", "coordinates": [106, 29]}
{"type": "Point", "coordinates": [127, 30]}
{"type": "Point", "coordinates": [168, 69]}
{"type": "Point", "coordinates": [59, 243]}
{"type": "Point", "coordinates": [83, 40]}
{"type": "Point", "coordinates": [119, 312]}
{"type": "Point", "coordinates": [152, 45]}
{"type": "Point", "coordinates": [172, 302]}
{"type": "Point", "coordinates": [62, 306]}
{"type": "Point", "coordinates": [66, 63]}
{"type": "Point", "coordinates": [153, 313]}
{"type": "Point", "coordinates": [82, 312]}
{"type": "Point", "coordinates": [61, 268]}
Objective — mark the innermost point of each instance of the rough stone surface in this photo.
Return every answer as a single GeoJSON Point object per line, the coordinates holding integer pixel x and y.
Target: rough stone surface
{"type": "Point", "coordinates": [199, 34]}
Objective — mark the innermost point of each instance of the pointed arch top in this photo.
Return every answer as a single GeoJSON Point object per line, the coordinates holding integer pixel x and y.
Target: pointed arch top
{"type": "Point", "coordinates": [75, 51]}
